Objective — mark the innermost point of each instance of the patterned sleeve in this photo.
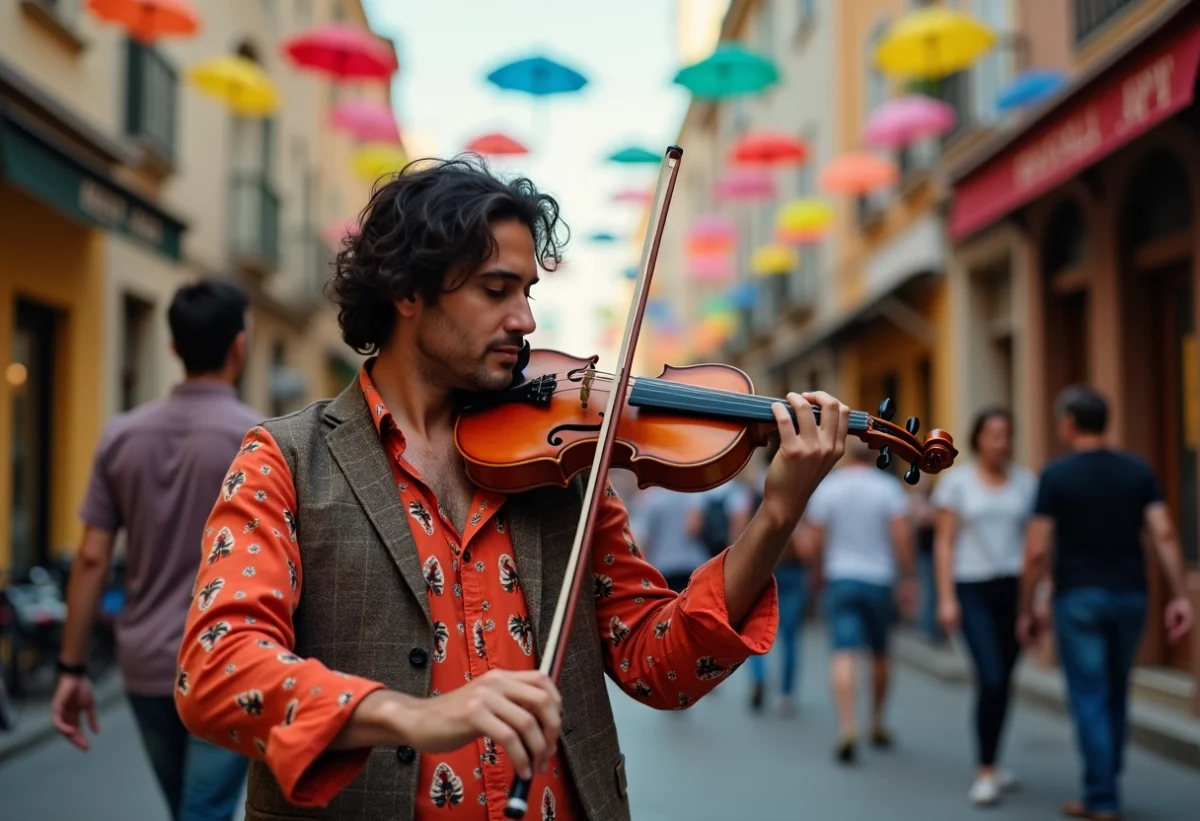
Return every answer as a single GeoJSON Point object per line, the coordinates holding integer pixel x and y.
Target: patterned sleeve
{"type": "Point", "coordinates": [665, 650]}
{"type": "Point", "coordinates": [239, 684]}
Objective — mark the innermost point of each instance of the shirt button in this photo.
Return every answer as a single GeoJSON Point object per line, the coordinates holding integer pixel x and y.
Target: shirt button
{"type": "Point", "coordinates": [418, 657]}
{"type": "Point", "coordinates": [406, 754]}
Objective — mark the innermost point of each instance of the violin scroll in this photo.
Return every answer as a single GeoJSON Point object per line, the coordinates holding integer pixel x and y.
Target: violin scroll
{"type": "Point", "coordinates": [933, 455]}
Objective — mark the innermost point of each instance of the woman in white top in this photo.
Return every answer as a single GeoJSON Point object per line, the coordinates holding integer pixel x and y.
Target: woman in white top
{"type": "Point", "coordinates": [982, 508]}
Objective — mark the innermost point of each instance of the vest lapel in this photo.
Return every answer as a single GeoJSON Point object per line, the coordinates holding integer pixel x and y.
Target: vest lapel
{"type": "Point", "coordinates": [356, 448]}
{"type": "Point", "coordinates": [525, 531]}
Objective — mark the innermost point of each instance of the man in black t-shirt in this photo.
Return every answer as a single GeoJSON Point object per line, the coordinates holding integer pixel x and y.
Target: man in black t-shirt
{"type": "Point", "coordinates": [1091, 508]}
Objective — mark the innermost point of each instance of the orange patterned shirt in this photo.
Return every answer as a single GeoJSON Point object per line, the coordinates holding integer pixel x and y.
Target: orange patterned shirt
{"type": "Point", "coordinates": [240, 685]}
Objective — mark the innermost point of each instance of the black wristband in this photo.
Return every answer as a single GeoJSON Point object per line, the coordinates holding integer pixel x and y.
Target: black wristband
{"type": "Point", "coordinates": [70, 669]}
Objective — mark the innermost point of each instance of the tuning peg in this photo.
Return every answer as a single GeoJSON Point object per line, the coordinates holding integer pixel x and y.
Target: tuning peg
{"type": "Point", "coordinates": [912, 425]}
{"type": "Point", "coordinates": [884, 459]}
{"type": "Point", "coordinates": [912, 475]}
{"type": "Point", "coordinates": [887, 409]}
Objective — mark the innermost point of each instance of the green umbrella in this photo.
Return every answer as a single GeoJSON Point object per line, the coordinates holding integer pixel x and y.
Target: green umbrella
{"type": "Point", "coordinates": [730, 71]}
{"type": "Point", "coordinates": [635, 155]}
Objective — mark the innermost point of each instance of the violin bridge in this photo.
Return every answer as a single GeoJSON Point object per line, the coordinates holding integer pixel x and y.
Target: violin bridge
{"type": "Point", "coordinates": [585, 389]}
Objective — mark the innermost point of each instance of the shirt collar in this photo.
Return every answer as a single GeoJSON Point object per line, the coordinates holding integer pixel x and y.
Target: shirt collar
{"type": "Point", "coordinates": [205, 387]}
{"type": "Point", "coordinates": [380, 415]}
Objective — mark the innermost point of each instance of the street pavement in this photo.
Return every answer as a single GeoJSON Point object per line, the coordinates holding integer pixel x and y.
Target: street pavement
{"type": "Point", "coordinates": [714, 762]}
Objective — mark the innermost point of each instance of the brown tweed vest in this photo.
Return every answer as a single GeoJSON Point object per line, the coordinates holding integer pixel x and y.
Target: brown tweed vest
{"type": "Point", "coordinates": [363, 609]}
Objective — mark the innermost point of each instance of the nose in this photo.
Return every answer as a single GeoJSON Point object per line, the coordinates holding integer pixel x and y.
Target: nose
{"type": "Point", "coordinates": [520, 320]}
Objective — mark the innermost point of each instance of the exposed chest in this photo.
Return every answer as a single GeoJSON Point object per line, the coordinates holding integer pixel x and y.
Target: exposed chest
{"type": "Point", "coordinates": [441, 469]}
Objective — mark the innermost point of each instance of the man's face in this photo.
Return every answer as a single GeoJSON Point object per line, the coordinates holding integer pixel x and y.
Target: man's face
{"type": "Point", "coordinates": [470, 339]}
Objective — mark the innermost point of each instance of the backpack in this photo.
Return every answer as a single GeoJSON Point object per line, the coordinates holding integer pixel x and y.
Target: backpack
{"type": "Point", "coordinates": [714, 526]}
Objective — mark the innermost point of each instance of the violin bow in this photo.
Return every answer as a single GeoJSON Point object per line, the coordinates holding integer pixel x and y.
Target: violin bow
{"type": "Point", "coordinates": [577, 562]}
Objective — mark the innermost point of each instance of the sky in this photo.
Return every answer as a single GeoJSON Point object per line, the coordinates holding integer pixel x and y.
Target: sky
{"type": "Point", "coordinates": [626, 49]}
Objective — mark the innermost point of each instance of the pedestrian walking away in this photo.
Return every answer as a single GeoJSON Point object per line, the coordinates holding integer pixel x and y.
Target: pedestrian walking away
{"type": "Point", "coordinates": [862, 532]}
{"type": "Point", "coordinates": [366, 618]}
{"type": "Point", "coordinates": [982, 511]}
{"type": "Point", "coordinates": [157, 472]}
{"type": "Point", "coordinates": [1093, 505]}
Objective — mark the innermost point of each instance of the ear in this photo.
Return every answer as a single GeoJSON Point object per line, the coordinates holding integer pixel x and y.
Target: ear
{"type": "Point", "coordinates": [407, 307]}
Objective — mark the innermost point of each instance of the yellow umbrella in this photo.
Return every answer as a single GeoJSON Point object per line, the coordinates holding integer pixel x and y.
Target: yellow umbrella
{"type": "Point", "coordinates": [374, 161]}
{"type": "Point", "coordinates": [772, 259]}
{"type": "Point", "coordinates": [801, 220]}
{"type": "Point", "coordinates": [238, 82]}
{"type": "Point", "coordinates": [933, 43]}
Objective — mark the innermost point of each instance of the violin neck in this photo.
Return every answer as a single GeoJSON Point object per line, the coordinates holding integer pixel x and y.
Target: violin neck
{"type": "Point", "coordinates": [695, 400]}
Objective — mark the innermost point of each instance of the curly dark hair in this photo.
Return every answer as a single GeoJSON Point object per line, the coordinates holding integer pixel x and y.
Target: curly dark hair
{"type": "Point", "coordinates": [423, 233]}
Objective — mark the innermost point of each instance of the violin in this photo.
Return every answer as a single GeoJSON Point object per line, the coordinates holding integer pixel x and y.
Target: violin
{"type": "Point", "coordinates": [689, 429]}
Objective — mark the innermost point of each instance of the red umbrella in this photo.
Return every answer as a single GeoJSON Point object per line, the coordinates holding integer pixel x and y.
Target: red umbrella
{"type": "Point", "coordinates": [769, 148]}
{"type": "Point", "coordinates": [496, 144]}
{"type": "Point", "coordinates": [367, 120]}
{"type": "Point", "coordinates": [342, 50]}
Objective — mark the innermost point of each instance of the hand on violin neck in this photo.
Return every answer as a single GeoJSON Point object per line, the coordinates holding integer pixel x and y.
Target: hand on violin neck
{"type": "Point", "coordinates": [807, 452]}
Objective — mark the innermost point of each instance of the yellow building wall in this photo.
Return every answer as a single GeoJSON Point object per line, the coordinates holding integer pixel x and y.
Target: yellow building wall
{"type": "Point", "coordinates": [61, 264]}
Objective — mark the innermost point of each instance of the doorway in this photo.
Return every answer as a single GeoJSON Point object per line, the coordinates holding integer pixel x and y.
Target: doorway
{"type": "Point", "coordinates": [31, 378]}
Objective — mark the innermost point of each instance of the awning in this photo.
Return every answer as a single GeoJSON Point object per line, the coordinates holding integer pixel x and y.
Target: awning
{"type": "Point", "coordinates": [40, 164]}
{"type": "Point", "coordinates": [1093, 117]}
{"type": "Point", "coordinates": [887, 304]}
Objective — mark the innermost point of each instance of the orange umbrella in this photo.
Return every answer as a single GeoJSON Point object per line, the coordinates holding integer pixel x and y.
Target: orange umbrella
{"type": "Point", "coordinates": [769, 148]}
{"type": "Point", "coordinates": [858, 174]}
{"type": "Point", "coordinates": [148, 20]}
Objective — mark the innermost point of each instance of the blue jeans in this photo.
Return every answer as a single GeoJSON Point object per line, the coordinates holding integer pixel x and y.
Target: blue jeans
{"type": "Point", "coordinates": [860, 614]}
{"type": "Point", "coordinates": [200, 781]}
{"type": "Point", "coordinates": [989, 625]}
{"type": "Point", "coordinates": [927, 616]}
{"type": "Point", "coordinates": [1098, 632]}
{"type": "Point", "coordinates": [792, 583]}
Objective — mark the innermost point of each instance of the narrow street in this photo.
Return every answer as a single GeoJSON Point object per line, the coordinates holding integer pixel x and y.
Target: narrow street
{"type": "Point", "coordinates": [713, 763]}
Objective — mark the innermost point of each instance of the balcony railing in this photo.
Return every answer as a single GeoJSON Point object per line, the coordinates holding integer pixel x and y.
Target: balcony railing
{"type": "Point", "coordinates": [1091, 15]}
{"type": "Point", "coordinates": [151, 99]}
{"type": "Point", "coordinates": [254, 225]}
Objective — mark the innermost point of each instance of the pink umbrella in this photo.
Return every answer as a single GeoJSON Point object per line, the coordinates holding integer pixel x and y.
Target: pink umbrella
{"type": "Point", "coordinates": [900, 122]}
{"type": "Point", "coordinates": [712, 226]}
{"type": "Point", "coordinates": [633, 195]}
{"type": "Point", "coordinates": [745, 183]}
{"type": "Point", "coordinates": [343, 51]}
{"type": "Point", "coordinates": [710, 267]}
{"type": "Point", "coordinates": [367, 120]}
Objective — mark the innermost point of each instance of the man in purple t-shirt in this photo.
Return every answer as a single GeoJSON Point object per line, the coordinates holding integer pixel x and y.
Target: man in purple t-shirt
{"type": "Point", "coordinates": [157, 473]}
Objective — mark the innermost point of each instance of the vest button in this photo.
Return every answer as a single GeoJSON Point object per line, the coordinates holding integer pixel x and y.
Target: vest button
{"type": "Point", "coordinates": [406, 754]}
{"type": "Point", "coordinates": [466, 555]}
{"type": "Point", "coordinates": [418, 657]}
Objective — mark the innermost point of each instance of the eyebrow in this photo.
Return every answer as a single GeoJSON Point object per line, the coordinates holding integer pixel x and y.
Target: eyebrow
{"type": "Point", "coordinates": [504, 273]}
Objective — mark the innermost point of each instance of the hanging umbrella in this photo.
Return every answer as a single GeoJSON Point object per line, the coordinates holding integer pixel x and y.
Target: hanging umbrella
{"type": "Point", "coordinates": [802, 220]}
{"type": "Point", "coordinates": [343, 51]}
{"type": "Point", "coordinates": [1029, 88]}
{"type": "Point", "coordinates": [857, 174]}
{"type": "Point", "coordinates": [932, 43]}
{"type": "Point", "coordinates": [634, 195]}
{"type": "Point", "coordinates": [905, 120]}
{"type": "Point", "coordinates": [631, 272]}
{"type": "Point", "coordinates": [603, 236]}
{"type": "Point", "coordinates": [772, 259]}
{"type": "Point", "coordinates": [635, 155]}
{"type": "Point", "coordinates": [378, 160]}
{"type": "Point", "coordinates": [238, 82]}
{"type": "Point", "coordinates": [743, 296]}
{"type": "Point", "coordinates": [496, 144]}
{"type": "Point", "coordinates": [711, 233]}
{"type": "Point", "coordinates": [709, 267]}
{"type": "Point", "coordinates": [148, 20]}
{"type": "Point", "coordinates": [367, 120]}
{"type": "Point", "coordinates": [539, 76]}
{"type": "Point", "coordinates": [745, 184]}
{"type": "Point", "coordinates": [730, 71]}
{"type": "Point", "coordinates": [768, 148]}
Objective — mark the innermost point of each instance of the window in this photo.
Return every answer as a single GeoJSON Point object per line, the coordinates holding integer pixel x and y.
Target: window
{"type": "Point", "coordinates": [876, 92]}
{"type": "Point", "coordinates": [151, 98]}
{"type": "Point", "coordinates": [991, 72]}
{"type": "Point", "coordinates": [1091, 15]}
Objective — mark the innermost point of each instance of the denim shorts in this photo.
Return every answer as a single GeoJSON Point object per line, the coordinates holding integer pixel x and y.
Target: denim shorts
{"type": "Point", "coordinates": [859, 615]}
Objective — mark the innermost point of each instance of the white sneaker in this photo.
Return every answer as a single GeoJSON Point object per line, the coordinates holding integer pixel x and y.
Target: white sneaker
{"type": "Point", "coordinates": [985, 790]}
{"type": "Point", "coordinates": [1006, 780]}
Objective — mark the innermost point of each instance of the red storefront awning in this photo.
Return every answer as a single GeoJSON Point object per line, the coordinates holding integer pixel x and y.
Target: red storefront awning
{"type": "Point", "coordinates": [1104, 114]}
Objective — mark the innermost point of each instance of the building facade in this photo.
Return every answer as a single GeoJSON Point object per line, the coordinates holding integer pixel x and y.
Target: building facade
{"type": "Point", "coordinates": [1084, 215]}
{"type": "Point", "coordinates": [119, 182]}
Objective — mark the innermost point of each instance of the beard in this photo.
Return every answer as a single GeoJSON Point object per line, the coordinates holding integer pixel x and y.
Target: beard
{"type": "Point", "coordinates": [453, 359]}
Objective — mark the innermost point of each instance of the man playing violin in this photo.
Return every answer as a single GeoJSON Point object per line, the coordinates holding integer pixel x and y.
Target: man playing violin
{"type": "Point", "coordinates": [366, 623]}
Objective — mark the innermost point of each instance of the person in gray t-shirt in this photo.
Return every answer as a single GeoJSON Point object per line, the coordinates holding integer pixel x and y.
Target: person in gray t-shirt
{"type": "Point", "coordinates": [156, 475]}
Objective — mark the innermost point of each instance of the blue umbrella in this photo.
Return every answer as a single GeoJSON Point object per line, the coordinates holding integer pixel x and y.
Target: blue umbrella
{"type": "Point", "coordinates": [632, 273]}
{"type": "Point", "coordinates": [744, 296]}
{"type": "Point", "coordinates": [1031, 87]}
{"type": "Point", "coordinates": [659, 311]}
{"type": "Point", "coordinates": [538, 76]}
